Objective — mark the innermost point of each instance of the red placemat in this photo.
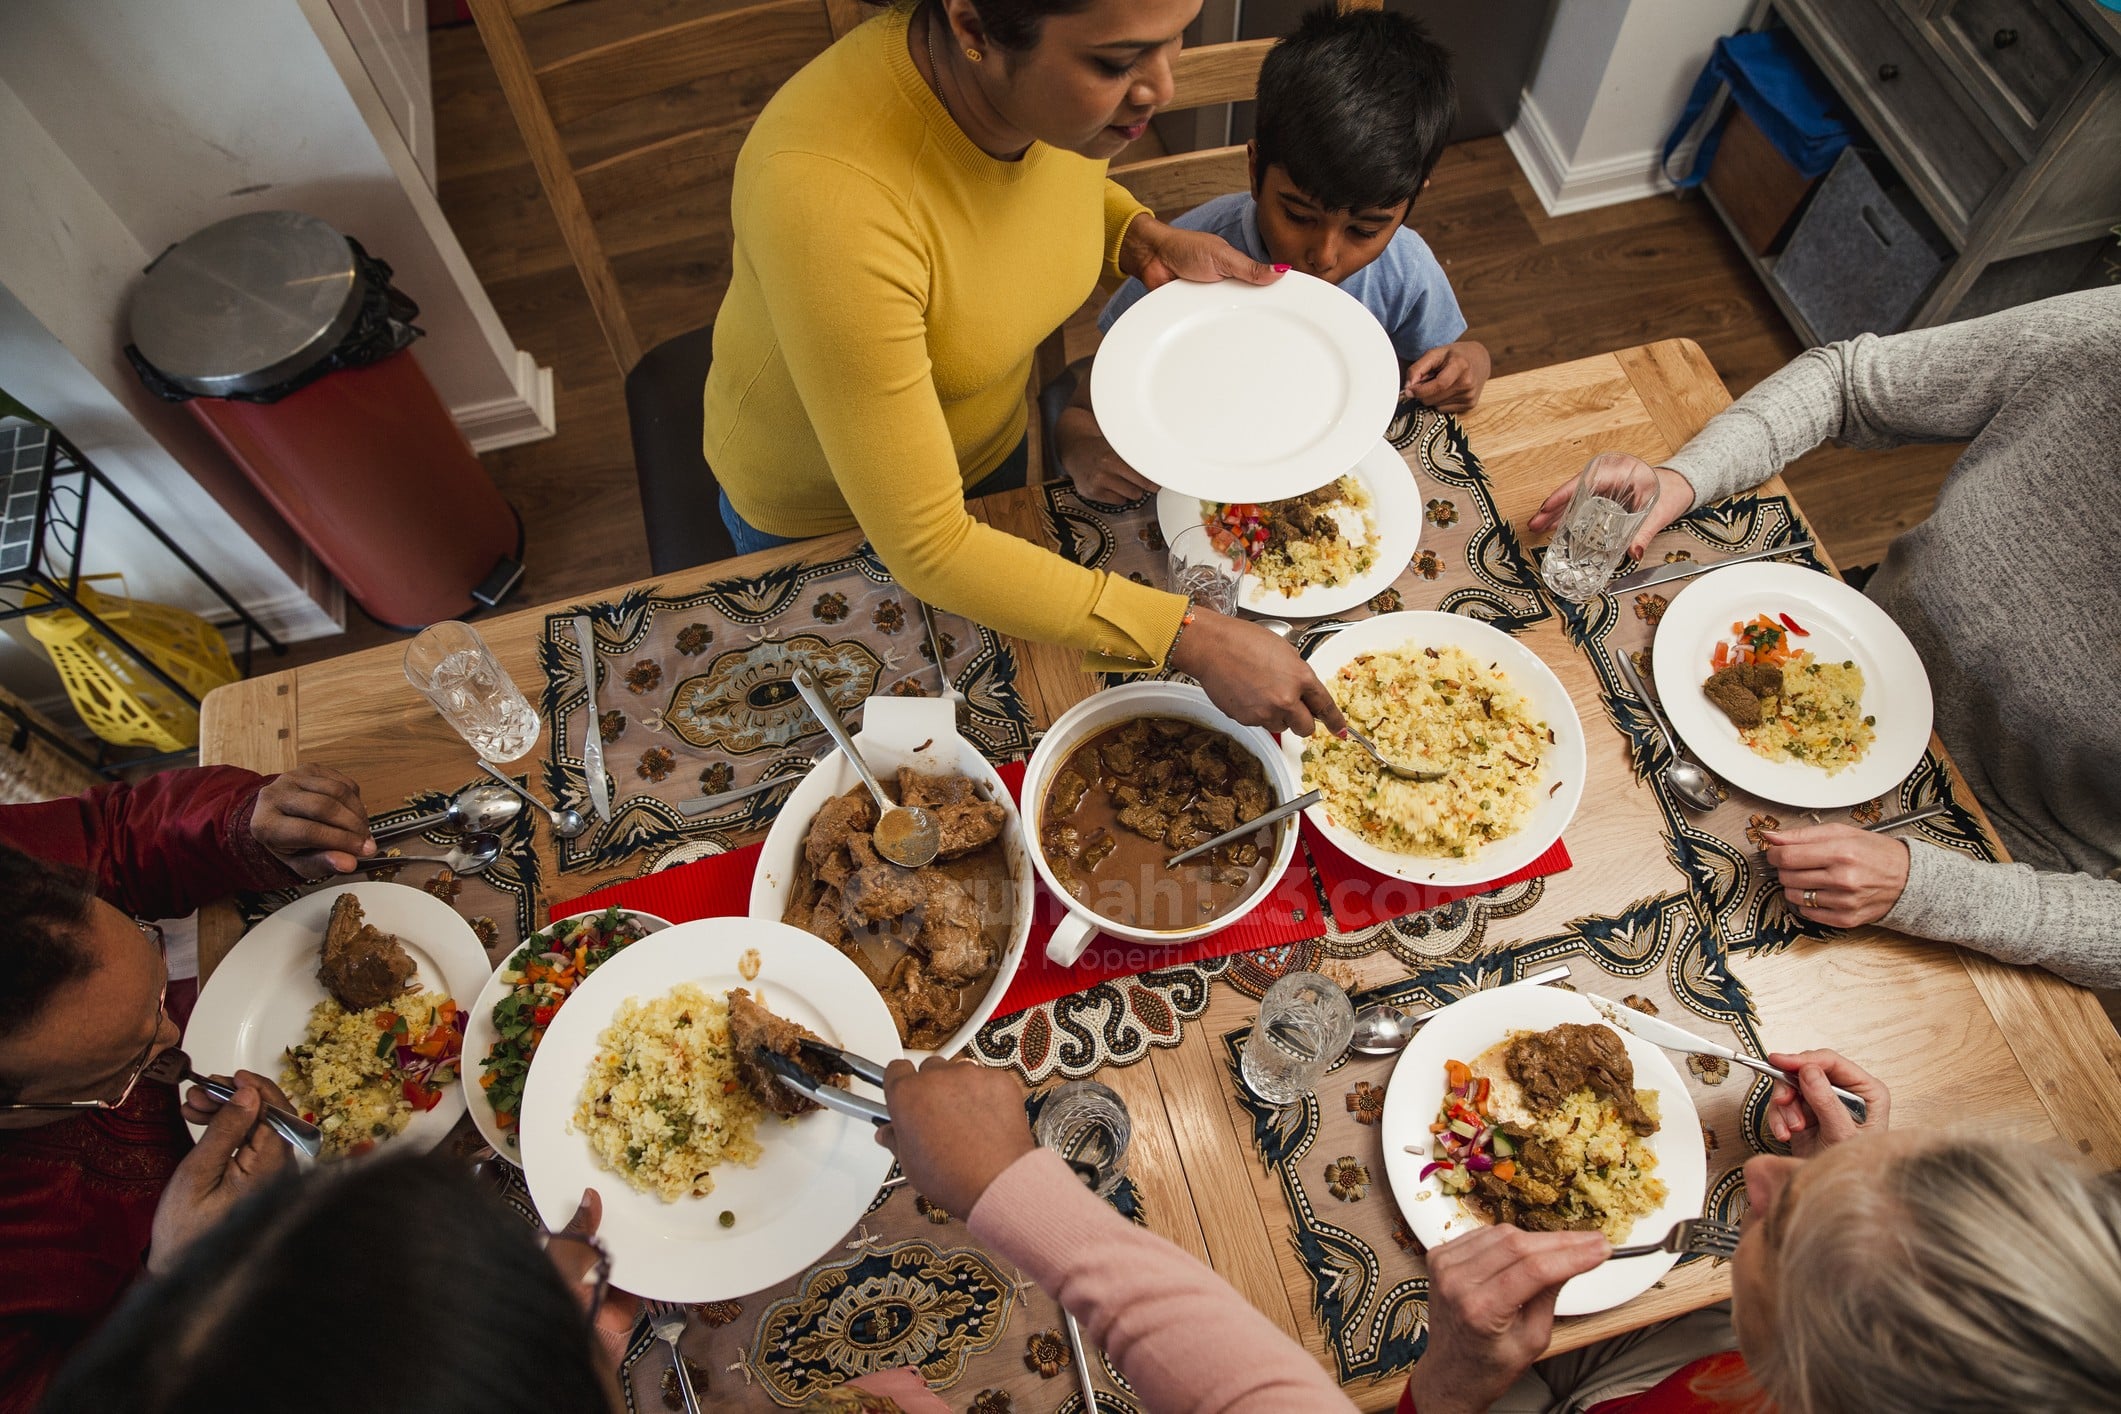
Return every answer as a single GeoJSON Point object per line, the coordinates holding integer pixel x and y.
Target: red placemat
{"type": "Point", "coordinates": [720, 887]}
{"type": "Point", "coordinates": [1360, 896]}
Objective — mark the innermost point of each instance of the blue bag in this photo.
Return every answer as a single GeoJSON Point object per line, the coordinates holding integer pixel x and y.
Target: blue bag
{"type": "Point", "coordinates": [1770, 77]}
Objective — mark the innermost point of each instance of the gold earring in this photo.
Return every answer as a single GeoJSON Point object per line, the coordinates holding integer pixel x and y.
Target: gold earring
{"type": "Point", "coordinates": [973, 55]}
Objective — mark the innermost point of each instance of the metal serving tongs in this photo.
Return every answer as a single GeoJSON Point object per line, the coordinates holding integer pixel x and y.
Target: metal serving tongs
{"type": "Point", "coordinates": [832, 1097]}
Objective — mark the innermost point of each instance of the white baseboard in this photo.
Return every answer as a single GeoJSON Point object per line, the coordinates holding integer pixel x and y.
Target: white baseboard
{"type": "Point", "coordinates": [510, 422]}
{"type": "Point", "coordinates": [1563, 188]}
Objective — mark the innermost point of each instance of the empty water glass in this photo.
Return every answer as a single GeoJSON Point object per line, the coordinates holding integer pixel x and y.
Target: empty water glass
{"type": "Point", "coordinates": [1305, 1024]}
{"type": "Point", "coordinates": [1204, 573]}
{"type": "Point", "coordinates": [1613, 496]}
{"type": "Point", "coordinates": [1087, 1124]}
{"type": "Point", "coordinates": [454, 669]}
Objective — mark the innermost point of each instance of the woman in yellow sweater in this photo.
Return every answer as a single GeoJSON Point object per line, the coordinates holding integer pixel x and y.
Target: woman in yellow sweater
{"type": "Point", "coordinates": [915, 211]}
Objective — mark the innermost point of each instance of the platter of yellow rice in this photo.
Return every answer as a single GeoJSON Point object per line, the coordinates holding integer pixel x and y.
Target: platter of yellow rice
{"type": "Point", "coordinates": [1873, 689]}
{"type": "Point", "coordinates": [1445, 692]}
{"type": "Point", "coordinates": [633, 1092]}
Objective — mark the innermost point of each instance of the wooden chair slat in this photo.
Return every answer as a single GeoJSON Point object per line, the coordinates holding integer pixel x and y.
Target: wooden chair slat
{"type": "Point", "coordinates": [1170, 186]}
{"type": "Point", "coordinates": [1216, 73]}
{"type": "Point", "coordinates": [784, 32]}
{"type": "Point", "coordinates": [519, 85]}
{"type": "Point", "coordinates": [685, 161]}
{"type": "Point", "coordinates": [532, 7]}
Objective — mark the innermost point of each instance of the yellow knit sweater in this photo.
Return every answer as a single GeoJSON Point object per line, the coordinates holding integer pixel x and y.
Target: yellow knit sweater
{"type": "Point", "coordinates": [889, 285]}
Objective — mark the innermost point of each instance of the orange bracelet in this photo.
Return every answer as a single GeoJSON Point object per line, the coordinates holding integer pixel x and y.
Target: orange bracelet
{"type": "Point", "coordinates": [1184, 623]}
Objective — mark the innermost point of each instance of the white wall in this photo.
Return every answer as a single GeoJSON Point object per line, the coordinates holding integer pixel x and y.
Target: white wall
{"type": "Point", "coordinates": [1612, 81]}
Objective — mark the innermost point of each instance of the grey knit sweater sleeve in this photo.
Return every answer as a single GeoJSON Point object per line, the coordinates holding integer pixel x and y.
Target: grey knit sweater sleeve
{"type": "Point", "coordinates": [2005, 590]}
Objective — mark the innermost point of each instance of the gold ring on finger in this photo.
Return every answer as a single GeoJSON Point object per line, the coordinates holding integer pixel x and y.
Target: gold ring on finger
{"type": "Point", "coordinates": [1810, 897]}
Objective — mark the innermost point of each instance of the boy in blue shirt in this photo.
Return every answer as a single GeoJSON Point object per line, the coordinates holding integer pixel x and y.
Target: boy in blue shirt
{"type": "Point", "coordinates": [1352, 114]}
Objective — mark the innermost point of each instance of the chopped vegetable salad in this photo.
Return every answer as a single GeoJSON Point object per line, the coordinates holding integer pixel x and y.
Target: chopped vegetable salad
{"type": "Point", "coordinates": [543, 973]}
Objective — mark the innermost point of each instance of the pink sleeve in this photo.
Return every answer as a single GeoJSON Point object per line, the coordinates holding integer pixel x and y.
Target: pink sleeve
{"type": "Point", "coordinates": [1182, 1335]}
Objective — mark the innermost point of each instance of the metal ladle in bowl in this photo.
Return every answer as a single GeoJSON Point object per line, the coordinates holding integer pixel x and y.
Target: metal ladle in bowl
{"type": "Point", "coordinates": [907, 835]}
{"type": "Point", "coordinates": [1694, 786]}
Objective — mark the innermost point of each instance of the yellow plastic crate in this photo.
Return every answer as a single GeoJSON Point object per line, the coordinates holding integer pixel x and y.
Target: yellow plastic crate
{"type": "Point", "coordinates": [118, 699]}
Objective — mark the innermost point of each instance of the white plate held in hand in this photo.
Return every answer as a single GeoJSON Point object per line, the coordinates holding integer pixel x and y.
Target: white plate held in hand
{"type": "Point", "coordinates": [1237, 392]}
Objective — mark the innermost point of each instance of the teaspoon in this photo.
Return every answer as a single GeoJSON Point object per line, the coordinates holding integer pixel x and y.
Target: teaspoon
{"type": "Point", "coordinates": [474, 854]}
{"type": "Point", "coordinates": [906, 835]}
{"type": "Point", "coordinates": [566, 823]}
{"type": "Point", "coordinates": [478, 808]}
{"type": "Point", "coordinates": [1695, 787]}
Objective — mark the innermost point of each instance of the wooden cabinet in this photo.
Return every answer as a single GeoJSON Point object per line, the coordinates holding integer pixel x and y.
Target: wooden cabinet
{"type": "Point", "coordinates": [2002, 116]}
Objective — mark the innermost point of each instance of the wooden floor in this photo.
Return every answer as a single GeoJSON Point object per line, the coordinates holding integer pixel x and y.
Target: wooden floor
{"type": "Point", "coordinates": [1536, 289]}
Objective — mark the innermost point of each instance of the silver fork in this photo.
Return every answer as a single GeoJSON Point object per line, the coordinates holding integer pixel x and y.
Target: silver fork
{"type": "Point", "coordinates": [667, 1320]}
{"type": "Point", "coordinates": [1690, 1237]}
{"type": "Point", "coordinates": [173, 1066]}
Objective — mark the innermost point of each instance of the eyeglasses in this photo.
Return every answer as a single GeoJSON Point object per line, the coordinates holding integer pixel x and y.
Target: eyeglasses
{"type": "Point", "coordinates": [153, 933]}
{"type": "Point", "coordinates": [596, 1274]}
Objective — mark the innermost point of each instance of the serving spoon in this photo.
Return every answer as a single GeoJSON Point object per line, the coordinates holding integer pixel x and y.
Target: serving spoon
{"type": "Point", "coordinates": [907, 835]}
{"type": "Point", "coordinates": [480, 807]}
{"type": "Point", "coordinates": [474, 854]}
{"type": "Point", "coordinates": [1695, 787]}
{"type": "Point", "coordinates": [1404, 772]}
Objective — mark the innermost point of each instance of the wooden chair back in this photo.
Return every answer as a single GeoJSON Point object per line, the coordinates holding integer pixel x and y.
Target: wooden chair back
{"type": "Point", "coordinates": [588, 184]}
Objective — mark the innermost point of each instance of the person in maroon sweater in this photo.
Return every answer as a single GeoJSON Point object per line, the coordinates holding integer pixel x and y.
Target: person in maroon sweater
{"type": "Point", "coordinates": [98, 1175]}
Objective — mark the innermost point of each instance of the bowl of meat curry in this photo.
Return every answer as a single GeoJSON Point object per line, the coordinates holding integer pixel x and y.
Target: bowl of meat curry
{"type": "Point", "coordinates": [1127, 779]}
{"type": "Point", "coordinates": [940, 942]}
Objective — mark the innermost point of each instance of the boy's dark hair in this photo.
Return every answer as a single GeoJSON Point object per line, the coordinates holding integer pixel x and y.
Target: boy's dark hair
{"type": "Point", "coordinates": [320, 1294]}
{"type": "Point", "coordinates": [47, 908]}
{"type": "Point", "coordinates": [1355, 107]}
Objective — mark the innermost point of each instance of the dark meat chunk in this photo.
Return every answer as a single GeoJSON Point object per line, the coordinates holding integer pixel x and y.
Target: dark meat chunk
{"type": "Point", "coordinates": [1145, 820]}
{"type": "Point", "coordinates": [1744, 692]}
{"type": "Point", "coordinates": [1243, 852]}
{"type": "Point", "coordinates": [1219, 811]}
{"type": "Point", "coordinates": [1552, 1065]}
{"type": "Point", "coordinates": [929, 1008]}
{"type": "Point", "coordinates": [877, 889]}
{"type": "Point", "coordinates": [967, 822]}
{"type": "Point", "coordinates": [361, 965]}
{"type": "Point", "coordinates": [753, 1028]}
{"type": "Point", "coordinates": [1170, 728]}
{"type": "Point", "coordinates": [1061, 842]}
{"type": "Point", "coordinates": [952, 933]}
{"type": "Point", "coordinates": [827, 918]}
{"type": "Point", "coordinates": [1186, 831]}
{"type": "Point", "coordinates": [1126, 793]}
{"type": "Point", "coordinates": [1120, 758]}
{"type": "Point", "coordinates": [1065, 794]}
{"type": "Point", "coordinates": [1251, 794]}
{"type": "Point", "coordinates": [841, 816]}
{"type": "Point", "coordinates": [1211, 765]}
{"type": "Point", "coordinates": [1097, 849]}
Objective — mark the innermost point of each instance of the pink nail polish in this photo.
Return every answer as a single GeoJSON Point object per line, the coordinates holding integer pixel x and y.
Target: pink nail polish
{"type": "Point", "coordinates": [1281, 269]}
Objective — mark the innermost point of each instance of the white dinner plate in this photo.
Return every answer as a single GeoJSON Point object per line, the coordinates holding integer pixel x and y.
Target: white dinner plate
{"type": "Point", "coordinates": [1844, 626]}
{"type": "Point", "coordinates": [815, 1176]}
{"type": "Point", "coordinates": [480, 1036]}
{"type": "Point", "coordinates": [1564, 763]}
{"type": "Point", "coordinates": [258, 1001]}
{"type": "Point", "coordinates": [1395, 514]}
{"type": "Point", "coordinates": [1237, 392]}
{"type": "Point", "coordinates": [1464, 1029]}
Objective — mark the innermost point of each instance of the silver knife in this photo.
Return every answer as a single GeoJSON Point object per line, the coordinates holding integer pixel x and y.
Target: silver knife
{"type": "Point", "coordinates": [593, 738]}
{"type": "Point", "coordinates": [1687, 569]}
{"type": "Point", "coordinates": [1672, 1038]}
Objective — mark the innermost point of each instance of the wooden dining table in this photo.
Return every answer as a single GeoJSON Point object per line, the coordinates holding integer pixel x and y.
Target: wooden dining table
{"type": "Point", "coordinates": [1960, 1039]}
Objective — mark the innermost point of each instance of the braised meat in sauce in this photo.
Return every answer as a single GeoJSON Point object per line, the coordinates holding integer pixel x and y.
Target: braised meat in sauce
{"type": "Point", "coordinates": [1135, 794]}
{"type": "Point", "coordinates": [753, 1028]}
{"type": "Point", "coordinates": [1745, 692]}
{"type": "Point", "coordinates": [1553, 1064]}
{"type": "Point", "coordinates": [930, 939]}
{"type": "Point", "coordinates": [361, 965]}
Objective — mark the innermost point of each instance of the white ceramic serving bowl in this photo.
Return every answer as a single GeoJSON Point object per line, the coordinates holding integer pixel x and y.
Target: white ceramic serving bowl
{"type": "Point", "coordinates": [1107, 709]}
{"type": "Point", "coordinates": [941, 753]}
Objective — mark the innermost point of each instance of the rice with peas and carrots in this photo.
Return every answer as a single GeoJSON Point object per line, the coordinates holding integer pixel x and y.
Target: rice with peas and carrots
{"type": "Point", "coordinates": [1818, 718]}
{"type": "Point", "coordinates": [1432, 708]}
{"type": "Point", "coordinates": [662, 1105]}
{"type": "Point", "coordinates": [360, 1076]}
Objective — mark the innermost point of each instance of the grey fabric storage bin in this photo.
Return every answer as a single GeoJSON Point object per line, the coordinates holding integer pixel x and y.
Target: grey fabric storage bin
{"type": "Point", "coordinates": [1863, 254]}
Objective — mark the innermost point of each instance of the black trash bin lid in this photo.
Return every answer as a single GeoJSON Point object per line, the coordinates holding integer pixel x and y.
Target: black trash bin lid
{"type": "Point", "coordinates": [247, 303]}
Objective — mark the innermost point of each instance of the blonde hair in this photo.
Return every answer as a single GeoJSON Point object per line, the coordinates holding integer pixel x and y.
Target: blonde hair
{"type": "Point", "coordinates": [1946, 1274]}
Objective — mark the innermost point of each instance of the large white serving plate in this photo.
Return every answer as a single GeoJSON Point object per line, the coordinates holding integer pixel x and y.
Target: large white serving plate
{"type": "Point", "coordinates": [1464, 1029]}
{"type": "Point", "coordinates": [1395, 514]}
{"type": "Point", "coordinates": [258, 1001]}
{"type": "Point", "coordinates": [480, 1036]}
{"type": "Point", "coordinates": [911, 732]}
{"type": "Point", "coordinates": [1565, 760]}
{"type": "Point", "coordinates": [1237, 392]}
{"type": "Point", "coordinates": [1844, 626]}
{"type": "Point", "coordinates": [817, 1174]}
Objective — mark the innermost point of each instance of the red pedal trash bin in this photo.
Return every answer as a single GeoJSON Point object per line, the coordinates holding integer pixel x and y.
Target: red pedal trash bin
{"type": "Point", "coordinates": [288, 343]}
